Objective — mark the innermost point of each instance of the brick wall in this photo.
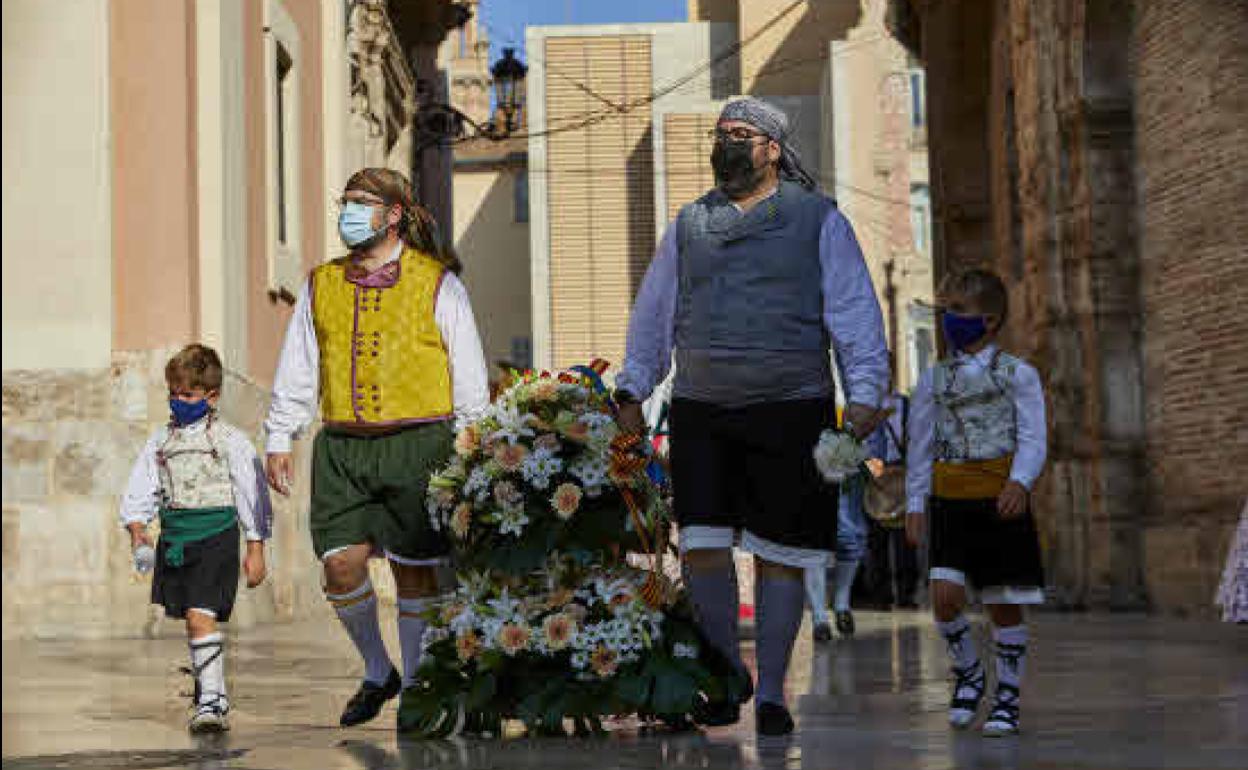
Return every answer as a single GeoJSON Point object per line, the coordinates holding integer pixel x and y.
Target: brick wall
{"type": "Point", "coordinates": [1191, 90]}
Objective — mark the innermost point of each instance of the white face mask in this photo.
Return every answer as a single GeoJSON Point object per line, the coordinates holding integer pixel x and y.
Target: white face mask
{"type": "Point", "coordinates": [355, 224]}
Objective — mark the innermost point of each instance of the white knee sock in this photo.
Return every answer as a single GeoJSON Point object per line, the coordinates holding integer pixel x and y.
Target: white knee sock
{"type": "Point", "coordinates": [411, 636]}
{"type": "Point", "coordinates": [816, 581]}
{"type": "Point", "coordinates": [957, 633]}
{"type": "Point", "coordinates": [208, 665]}
{"type": "Point", "coordinates": [846, 569]}
{"type": "Point", "coordinates": [1011, 647]}
{"type": "Point", "coordinates": [358, 612]}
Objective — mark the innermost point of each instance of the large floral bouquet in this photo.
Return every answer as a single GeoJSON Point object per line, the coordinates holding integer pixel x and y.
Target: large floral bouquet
{"type": "Point", "coordinates": [538, 473]}
{"type": "Point", "coordinates": [543, 503]}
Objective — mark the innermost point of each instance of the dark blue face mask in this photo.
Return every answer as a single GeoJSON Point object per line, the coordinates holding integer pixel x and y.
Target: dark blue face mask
{"type": "Point", "coordinates": [187, 412]}
{"type": "Point", "coordinates": [963, 330]}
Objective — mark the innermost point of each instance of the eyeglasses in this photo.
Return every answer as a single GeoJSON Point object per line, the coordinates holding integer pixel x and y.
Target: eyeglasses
{"type": "Point", "coordinates": [736, 135]}
{"type": "Point", "coordinates": [368, 200]}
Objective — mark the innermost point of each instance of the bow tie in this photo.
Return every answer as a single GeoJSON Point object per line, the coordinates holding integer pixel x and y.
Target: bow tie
{"type": "Point", "coordinates": [382, 278]}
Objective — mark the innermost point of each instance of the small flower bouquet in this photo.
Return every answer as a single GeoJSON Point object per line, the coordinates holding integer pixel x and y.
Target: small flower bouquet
{"type": "Point", "coordinates": [839, 457]}
{"type": "Point", "coordinates": [542, 503]}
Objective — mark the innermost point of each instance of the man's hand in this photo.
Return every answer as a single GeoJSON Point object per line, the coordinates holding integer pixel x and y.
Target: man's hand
{"type": "Point", "coordinates": [915, 524]}
{"type": "Point", "coordinates": [630, 418]}
{"type": "Point", "coordinates": [1012, 502]}
{"type": "Point", "coordinates": [138, 535]}
{"type": "Point", "coordinates": [253, 563]}
{"type": "Point", "coordinates": [279, 468]}
{"type": "Point", "coordinates": [862, 420]}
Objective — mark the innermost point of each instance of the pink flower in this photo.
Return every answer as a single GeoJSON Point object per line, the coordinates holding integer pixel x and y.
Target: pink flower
{"type": "Point", "coordinates": [576, 431]}
{"type": "Point", "coordinates": [467, 645]}
{"type": "Point", "coordinates": [506, 494]}
{"type": "Point", "coordinates": [548, 442]}
{"type": "Point", "coordinates": [545, 390]}
{"type": "Point", "coordinates": [514, 637]}
{"type": "Point", "coordinates": [467, 441]}
{"type": "Point", "coordinates": [566, 500]}
{"type": "Point", "coordinates": [557, 630]}
{"type": "Point", "coordinates": [604, 661]}
{"type": "Point", "coordinates": [510, 456]}
{"type": "Point", "coordinates": [461, 519]}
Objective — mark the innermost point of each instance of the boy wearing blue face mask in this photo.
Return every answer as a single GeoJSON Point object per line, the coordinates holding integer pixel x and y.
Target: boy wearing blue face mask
{"type": "Point", "coordinates": [203, 478]}
{"type": "Point", "coordinates": [976, 447]}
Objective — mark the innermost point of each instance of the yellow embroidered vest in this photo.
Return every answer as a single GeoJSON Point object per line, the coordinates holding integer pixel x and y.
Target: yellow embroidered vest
{"type": "Point", "coordinates": [382, 359]}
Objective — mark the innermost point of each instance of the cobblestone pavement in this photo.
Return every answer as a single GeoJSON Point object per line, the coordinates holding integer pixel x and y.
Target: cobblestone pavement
{"type": "Point", "coordinates": [1103, 691]}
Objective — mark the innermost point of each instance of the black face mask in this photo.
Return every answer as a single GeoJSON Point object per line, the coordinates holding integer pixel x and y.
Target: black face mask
{"type": "Point", "coordinates": [733, 163]}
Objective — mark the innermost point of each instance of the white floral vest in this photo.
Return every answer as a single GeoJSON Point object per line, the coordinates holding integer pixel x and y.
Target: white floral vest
{"type": "Point", "coordinates": [975, 418]}
{"type": "Point", "coordinates": [194, 471]}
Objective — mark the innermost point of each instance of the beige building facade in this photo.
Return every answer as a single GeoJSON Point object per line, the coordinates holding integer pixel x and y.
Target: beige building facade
{"type": "Point", "coordinates": [170, 170]}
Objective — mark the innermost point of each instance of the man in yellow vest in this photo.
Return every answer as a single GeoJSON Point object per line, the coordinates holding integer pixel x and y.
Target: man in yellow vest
{"type": "Point", "coordinates": [385, 338]}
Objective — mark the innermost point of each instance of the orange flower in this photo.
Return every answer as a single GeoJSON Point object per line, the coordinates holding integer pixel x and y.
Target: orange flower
{"type": "Point", "coordinates": [514, 637]}
{"type": "Point", "coordinates": [510, 456]}
{"type": "Point", "coordinates": [467, 441]}
{"type": "Point", "coordinates": [461, 519]}
{"type": "Point", "coordinates": [467, 645]}
{"type": "Point", "coordinates": [566, 500]}
{"type": "Point", "coordinates": [545, 390]}
{"type": "Point", "coordinates": [620, 600]}
{"type": "Point", "coordinates": [577, 431]}
{"type": "Point", "coordinates": [557, 630]}
{"type": "Point", "coordinates": [604, 661]}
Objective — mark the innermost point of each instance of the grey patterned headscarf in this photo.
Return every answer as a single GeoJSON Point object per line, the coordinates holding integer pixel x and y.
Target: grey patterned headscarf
{"type": "Point", "coordinates": [772, 121]}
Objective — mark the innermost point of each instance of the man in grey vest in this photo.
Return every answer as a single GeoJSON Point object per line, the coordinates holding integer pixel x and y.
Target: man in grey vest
{"type": "Point", "coordinates": [750, 288]}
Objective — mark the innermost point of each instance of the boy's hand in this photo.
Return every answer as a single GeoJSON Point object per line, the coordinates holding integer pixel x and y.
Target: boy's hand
{"type": "Point", "coordinates": [279, 468]}
{"type": "Point", "coordinates": [138, 535]}
{"type": "Point", "coordinates": [253, 563]}
{"type": "Point", "coordinates": [915, 523]}
{"type": "Point", "coordinates": [1012, 502]}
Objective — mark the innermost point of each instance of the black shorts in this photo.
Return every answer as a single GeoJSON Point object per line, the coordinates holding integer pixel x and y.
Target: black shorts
{"type": "Point", "coordinates": [207, 578]}
{"type": "Point", "coordinates": [971, 537]}
{"type": "Point", "coordinates": [753, 468]}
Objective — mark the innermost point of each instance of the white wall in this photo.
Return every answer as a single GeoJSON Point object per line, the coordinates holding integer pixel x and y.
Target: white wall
{"type": "Point", "coordinates": [57, 247]}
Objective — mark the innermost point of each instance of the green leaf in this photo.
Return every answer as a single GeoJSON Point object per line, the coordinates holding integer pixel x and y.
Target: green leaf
{"type": "Point", "coordinates": [481, 691]}
{"type": "Point", "coordinates": [673, 693]}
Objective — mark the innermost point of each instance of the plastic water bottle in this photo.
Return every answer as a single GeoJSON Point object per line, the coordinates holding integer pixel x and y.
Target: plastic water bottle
{"type": "Point", "coordinates": [144, 559]}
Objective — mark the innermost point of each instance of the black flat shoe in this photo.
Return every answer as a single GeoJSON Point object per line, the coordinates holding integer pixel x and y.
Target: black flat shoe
{"type": "Point", "coordinates": [368, 700]}
{"type": "Point", "coordinates": [773, 719]}
{"type": "Point", "coordinates": [823, 633]}
{"type": "Point", "coordinates": [845, 623]}
{"type": "Point", "coordinates": [725, 711]}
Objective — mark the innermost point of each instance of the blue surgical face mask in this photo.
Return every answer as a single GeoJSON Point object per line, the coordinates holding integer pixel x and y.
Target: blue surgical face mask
{"type": "Point", "coordinates": [355, 224]}
{"type": "Point", "coordinates": [963, 331]}
{"type": "Point", "coordinates": [187, 412]}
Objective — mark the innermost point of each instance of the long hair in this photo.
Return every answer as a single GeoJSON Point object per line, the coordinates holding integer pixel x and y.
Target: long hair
{"type": "Point", "coordinates": [417, 226]}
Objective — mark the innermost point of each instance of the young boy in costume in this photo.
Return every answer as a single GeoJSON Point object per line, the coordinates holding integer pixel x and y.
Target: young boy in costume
{"type": "Point", "coordinates": [976, 447]}
{"type": "Point", "coordinates": [202, 477]}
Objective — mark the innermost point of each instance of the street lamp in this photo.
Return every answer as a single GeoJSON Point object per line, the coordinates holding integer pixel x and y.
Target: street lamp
{"type": "Point", "coordinates": [438, 123]}
{"type": "Point", "coordinates": [508, 74]}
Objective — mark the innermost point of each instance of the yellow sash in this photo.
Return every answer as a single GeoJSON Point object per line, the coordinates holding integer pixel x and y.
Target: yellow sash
{"type": "Point", "coordinates": [971, 480]}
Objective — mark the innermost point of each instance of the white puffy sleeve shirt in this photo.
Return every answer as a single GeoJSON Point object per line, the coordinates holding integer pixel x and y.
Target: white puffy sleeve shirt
{"type": "Point", "coordinates": [141, 501]}
{"type": "Point", "coordinates": [1031, 436]}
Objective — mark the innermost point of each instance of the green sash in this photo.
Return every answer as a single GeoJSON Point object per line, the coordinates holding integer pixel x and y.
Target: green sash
{"type": "Point", "coordinates": [179, 526]}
